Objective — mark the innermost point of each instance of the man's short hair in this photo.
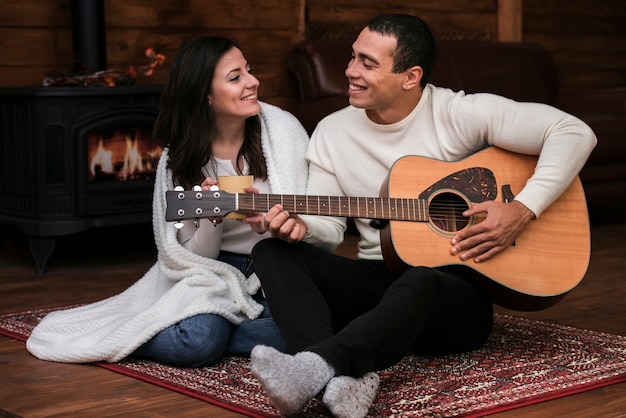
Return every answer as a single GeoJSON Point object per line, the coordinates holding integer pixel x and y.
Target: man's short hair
{"type": "Point", "coordinates": [415, 42]}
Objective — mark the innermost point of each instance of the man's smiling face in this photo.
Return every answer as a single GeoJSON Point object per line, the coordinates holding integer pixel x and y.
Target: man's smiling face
{"type": "Point", "coordinates": [373, 85]}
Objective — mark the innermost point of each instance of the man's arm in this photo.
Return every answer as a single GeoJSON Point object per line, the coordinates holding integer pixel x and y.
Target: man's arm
{"type": "Point", "coordinates": [563, 144]}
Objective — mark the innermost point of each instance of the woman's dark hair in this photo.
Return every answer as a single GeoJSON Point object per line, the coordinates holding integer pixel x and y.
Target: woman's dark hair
{"type": "Point", "coordinates": [185, 121]}
{"type": "Point", "coordinates": [415, 42]}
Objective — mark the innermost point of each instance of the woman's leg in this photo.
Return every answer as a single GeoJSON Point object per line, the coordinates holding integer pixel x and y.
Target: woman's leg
{"type": "Point", "coordinates": [200, 340]}
{"type": "Point", "coordinates": [197, 341]}
{"type": "Point", "coordinates": [260, 331]}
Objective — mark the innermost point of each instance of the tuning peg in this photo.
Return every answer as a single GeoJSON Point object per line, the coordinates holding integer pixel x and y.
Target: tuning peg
{"type": "Point", "coordinates": [178, 225]}
{"type": "Point", "coordinates": [179, 189]}
{"type": "Point", "coordinates": [197, 188]}
{"type": "Point", "coordinates": [214, 188]}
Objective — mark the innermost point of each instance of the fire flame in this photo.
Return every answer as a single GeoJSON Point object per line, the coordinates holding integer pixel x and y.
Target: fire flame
{"type": "Point", "coordinates": [132, 160]}
{"type": "Point", "coordinates": [102, 159]}
{"type": "Point", "coordinates": [122, 157]}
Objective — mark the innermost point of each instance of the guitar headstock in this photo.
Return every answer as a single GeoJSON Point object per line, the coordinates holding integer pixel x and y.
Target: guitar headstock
{"type": "Point", "coordinates": [193, 204]}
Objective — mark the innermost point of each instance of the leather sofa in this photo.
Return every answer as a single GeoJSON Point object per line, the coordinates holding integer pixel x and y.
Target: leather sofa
{"type": "Point", "coordinates": [520, 71]}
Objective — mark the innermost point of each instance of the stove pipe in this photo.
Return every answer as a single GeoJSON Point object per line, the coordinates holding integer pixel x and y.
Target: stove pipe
{"type": "Point", "coordinates": [88, 34]}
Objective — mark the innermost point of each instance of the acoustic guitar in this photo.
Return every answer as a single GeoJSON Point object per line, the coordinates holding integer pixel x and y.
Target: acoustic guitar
{"type": "Point", "coordinates": [420, 208]}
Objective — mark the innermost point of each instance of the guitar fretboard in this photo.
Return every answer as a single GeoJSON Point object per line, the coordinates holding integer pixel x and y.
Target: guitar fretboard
{"type": "Point", "coordinates": [404, 209]}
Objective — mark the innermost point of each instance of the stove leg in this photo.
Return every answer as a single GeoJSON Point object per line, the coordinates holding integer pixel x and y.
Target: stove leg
{"type": "Point", "coordinates": [41, 248]}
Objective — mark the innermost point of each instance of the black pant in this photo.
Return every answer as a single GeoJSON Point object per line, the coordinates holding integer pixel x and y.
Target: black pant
{"type": "Point", "coordinates": [361, 318]}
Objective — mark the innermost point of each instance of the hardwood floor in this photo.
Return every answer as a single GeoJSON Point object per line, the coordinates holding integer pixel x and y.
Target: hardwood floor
{"type": "Point", "coordinates": [99, 263]}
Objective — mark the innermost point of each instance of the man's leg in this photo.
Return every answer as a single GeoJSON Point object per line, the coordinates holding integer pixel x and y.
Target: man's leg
{"type": "Point", "coordinates": [424, 308]}
{"type": "Point", "coordinates": [312, 293]}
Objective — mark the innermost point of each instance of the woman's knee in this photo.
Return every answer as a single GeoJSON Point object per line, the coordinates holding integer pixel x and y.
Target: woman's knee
{"type": "Point", "coordinates": [197, 341]}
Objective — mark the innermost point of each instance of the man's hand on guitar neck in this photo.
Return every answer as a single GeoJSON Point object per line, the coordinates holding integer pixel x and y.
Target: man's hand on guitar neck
{"type": "Point", "coordinates": [504, 222]}
{"type": "Point", "coordinates": [281, 224]}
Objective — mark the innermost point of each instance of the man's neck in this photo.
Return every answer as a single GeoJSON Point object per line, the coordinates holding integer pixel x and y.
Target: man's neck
{"type": "Point", "coordinates": [393, 114]}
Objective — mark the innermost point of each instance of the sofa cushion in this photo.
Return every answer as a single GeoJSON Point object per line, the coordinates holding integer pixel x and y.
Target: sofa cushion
{"type": "Point", "coordinates": [319, 68]}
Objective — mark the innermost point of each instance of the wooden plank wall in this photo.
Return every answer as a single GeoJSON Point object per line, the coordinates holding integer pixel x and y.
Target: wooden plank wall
{"type": "Point", "coordinates": [457, 19]}
{"type": "Point", "coordinates": [587, 37]}
{"type": "Point", "coordinates": [510, 20]}
{"type": "Point", "coordinates": [36, 36]}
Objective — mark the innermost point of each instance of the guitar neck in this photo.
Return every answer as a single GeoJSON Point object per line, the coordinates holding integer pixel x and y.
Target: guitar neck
{"type": "Point", "coordinates": [404, 209]}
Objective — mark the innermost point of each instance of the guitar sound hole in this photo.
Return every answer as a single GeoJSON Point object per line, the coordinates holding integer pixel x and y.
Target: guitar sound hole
{"type": "Point", "coordinates": [446, 212]}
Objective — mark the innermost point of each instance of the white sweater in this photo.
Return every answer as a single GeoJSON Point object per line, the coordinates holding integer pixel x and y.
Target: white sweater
{"type": "Point", "coordinates": [181, 284]}
{"type": "Point", "coordinates": [351, 156]}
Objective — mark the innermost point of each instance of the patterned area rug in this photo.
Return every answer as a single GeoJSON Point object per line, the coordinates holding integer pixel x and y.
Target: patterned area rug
{"type": "Point", "coordinates": [524, 362]}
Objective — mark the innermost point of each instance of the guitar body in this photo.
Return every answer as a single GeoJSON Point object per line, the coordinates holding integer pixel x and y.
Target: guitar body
{"type": "Point", "coordinates": [547, 261]}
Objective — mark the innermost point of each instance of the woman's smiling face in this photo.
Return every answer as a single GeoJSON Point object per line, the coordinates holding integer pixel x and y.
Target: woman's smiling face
{"type": "Point", "coordinates": [234, 88]}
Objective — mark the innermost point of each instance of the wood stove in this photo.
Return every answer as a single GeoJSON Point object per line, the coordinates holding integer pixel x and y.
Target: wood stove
{"type": "Point", "coordinates": [73, 158]}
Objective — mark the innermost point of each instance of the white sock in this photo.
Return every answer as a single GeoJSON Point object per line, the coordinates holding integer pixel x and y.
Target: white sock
{"type": "Point", "coordinates": [349, 397]}
{"type": "Point", "coordinates": [290, 381]}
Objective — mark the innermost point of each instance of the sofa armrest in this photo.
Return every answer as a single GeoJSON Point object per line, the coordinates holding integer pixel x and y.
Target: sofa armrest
{"type": "Point", "coordinates": [607, 101]}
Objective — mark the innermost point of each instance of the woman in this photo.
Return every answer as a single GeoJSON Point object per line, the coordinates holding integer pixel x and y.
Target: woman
{"type": "Point", "coordinates": [201, 300]}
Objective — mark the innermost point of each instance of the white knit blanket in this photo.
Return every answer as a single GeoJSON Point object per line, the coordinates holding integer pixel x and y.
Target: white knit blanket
{"type": "Point", "coordinates": [181, 284]}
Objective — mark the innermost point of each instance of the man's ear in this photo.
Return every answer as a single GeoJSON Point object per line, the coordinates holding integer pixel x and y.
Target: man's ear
{"type": "Point", "coordinates": [412, 78]}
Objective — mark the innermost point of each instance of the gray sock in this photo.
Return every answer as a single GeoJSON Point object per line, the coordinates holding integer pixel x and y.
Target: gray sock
{"type": "Point", "coordinates": [290, 381]}
{"type": "Point", "coordinates": [349, 397]}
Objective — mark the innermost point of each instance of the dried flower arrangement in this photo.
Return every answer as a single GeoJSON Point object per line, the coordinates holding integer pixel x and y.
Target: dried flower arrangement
{"type": "Point", "coordinates": [110, 78]}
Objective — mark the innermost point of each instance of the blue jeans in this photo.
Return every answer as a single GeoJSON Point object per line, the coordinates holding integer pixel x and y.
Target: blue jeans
{"type": "Point", "coordinates": [202, 340]}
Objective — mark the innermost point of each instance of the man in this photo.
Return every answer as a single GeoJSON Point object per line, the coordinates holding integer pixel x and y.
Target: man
{"type": "Point", "coordinates": [345, 319]}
